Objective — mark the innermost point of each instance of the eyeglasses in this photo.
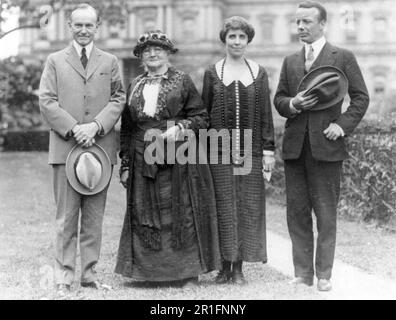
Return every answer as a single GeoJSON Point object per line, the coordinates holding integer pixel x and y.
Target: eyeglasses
{"type": "Point", "coordinates": [157, 50]}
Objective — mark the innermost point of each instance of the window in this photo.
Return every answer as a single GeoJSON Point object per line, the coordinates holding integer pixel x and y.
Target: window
{"type": "Point", "coordinates": [189, 23]}
{"type": "Point", "coordinates": [380, 27]}
{"type": "Point", "coordinates": [379, 86]}
{"type": "Point", "coordinates": [351, 26]}
{"type": "Point", "coordinates": [267, 23]}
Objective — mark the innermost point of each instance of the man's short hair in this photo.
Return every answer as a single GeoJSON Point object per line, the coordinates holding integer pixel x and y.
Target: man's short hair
{"type": "Point", "coordinates": [85, 6]}
{"type": "Point", "coordinates": [317, 5]}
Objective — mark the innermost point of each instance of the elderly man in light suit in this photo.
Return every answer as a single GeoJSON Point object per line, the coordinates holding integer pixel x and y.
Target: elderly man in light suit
{"type": "Point", "coordinates": [81, 98]}
{"type": "Point", "coordinates": [314, 145]}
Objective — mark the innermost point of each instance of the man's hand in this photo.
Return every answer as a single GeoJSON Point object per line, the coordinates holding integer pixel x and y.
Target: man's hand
{"type": "Point", "coordinates": [88, 143]}
{"type": "Point", "coordinates": [304, 103]}
{"type": "Point", "coordinates": [85, 133]}
{"type": "Point", "coordinates": [333, 131]}
{"type": "Point", "coordinates": [171, 134]}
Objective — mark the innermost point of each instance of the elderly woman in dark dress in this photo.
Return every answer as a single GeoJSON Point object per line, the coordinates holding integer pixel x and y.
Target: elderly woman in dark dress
{"type": "Point", "coordinates": [236, 95]}
{"type": "Point", "coordinates": [170, 229]}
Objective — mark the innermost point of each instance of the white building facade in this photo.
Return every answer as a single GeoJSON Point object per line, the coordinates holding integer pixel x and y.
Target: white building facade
{"type": "Point", "coordinates": [367, 27]}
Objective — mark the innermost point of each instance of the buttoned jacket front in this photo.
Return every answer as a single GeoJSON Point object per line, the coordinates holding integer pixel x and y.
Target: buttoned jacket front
{"type": "Point", "coordinates": [70, 95]}
{"type": "Point", "coordinates": [315, 122]}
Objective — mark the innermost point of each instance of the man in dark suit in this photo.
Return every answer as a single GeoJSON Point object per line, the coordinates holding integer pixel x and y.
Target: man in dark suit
{"type": "Point", "coordinates": [313, 145]}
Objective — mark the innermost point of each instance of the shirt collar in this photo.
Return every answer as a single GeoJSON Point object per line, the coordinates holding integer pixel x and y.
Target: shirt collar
{"type": "Point", "coordinates": [78, 48]}
{"type": "Point", "coordinates": [316, 45]}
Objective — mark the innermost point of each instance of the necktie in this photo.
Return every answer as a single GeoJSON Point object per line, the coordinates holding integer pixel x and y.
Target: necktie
{"type": "Point", "coordinates": [310, 59]}
{"type": "Point", "coordinates": [84, 59]}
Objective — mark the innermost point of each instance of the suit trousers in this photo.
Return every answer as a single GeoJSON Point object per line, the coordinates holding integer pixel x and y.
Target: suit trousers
{"type": "Point", "coordinates": [69, 203]}
{"type": "Point", "coordinates": [312, 184]}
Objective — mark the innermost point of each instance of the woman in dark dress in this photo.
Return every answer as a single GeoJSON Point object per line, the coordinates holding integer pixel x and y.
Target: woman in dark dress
{"type": "Point", "coordinates": [236, 95]}
{"type": "Point", "coordinates": [170, 229]}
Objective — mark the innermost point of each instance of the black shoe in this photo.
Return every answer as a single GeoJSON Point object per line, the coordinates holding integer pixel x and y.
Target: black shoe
{"type": "Point", "coordinates": [190, 282]}
{"type": "Point", "coordinates": [95, 285]}
{"type": "Point", "coordinates": [238, 278]}
{"type": "Point", "coordinates": [223, 277]}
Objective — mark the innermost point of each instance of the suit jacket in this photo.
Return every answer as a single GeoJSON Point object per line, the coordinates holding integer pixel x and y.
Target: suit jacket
{"type": "Point", "coordinates": [69, 95]}
{"type": "Point", "coordinates": [315, 122]}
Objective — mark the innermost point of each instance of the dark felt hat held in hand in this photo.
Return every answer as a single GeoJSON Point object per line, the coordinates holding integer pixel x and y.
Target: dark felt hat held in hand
{"type": "Point", "coordinates": [328, 83]}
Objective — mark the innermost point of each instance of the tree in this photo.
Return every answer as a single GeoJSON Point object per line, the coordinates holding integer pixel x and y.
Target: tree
{"type": "Point", "coordinates": [18, 95]}
{"type": "Point", "coordinates": [6, 6]}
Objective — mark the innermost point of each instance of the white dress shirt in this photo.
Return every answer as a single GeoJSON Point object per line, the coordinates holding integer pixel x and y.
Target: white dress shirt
{"type": "Point", "coordinates": [88, 48]}
{"type": "Point", "coordinates": [317, 47]}
{"type": "Point", "coordinates": [150, 95]}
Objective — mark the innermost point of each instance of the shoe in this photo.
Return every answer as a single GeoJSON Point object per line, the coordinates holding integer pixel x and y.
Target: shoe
{"type": "Point", "coordinates": [95, 285]}
{"type": "Point", "coordinates": [238, 278]}
{"type": "Point", "coordinates": [324, 285]}
{"type": "Point", "coordinates": [190, 282]}
{"type": "Point", "coordinates": [223, 277]}
{"type": "Point", "coordinates": [62, 290]}
{"type": "Point", "coordinates": [308, 281]}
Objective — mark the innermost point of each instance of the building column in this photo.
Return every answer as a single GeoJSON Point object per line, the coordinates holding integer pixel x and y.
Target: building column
{"type": "Point", "coordinates": [282, 27]}
{"type": "Point", "coordinates": [160, 19]}
{"type": "Point", "coordinates": [366, 24]}
{"type": "Point", "coordinates": [61, 25]}
{"type": "Point", "coordinates": [215, 22]}
{"type": "Point", "coordinates": [169, 22]}
{"type": "Point", "coordinates": [132, 25]}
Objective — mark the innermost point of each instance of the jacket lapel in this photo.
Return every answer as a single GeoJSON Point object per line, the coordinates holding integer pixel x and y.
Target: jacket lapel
{"type": "Point", "coordinates": [326, 57]}
{"type": "Point", "coordinates": [299, 66]}
{"type": "Point", "coordinates": [93, 62]}
{"type": "Point", "coordinates": [73, 59]}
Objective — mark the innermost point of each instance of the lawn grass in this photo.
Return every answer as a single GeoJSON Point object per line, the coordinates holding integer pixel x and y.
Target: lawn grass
{"type": "Point", "coordinates": [362, 245]}
{"type": "Point", "coordinates": [27, 233]}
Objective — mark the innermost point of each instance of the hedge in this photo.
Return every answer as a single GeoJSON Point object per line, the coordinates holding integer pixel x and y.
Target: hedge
{"type": "Point", "coordinates": [368, 184]}
{"type": "Point", "coordinates": [368, 181]}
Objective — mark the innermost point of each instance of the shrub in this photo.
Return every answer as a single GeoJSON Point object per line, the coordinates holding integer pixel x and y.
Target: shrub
{"type": "Point", "coordinates": [369, 177]}
{"type": "Point", "coordinates": [368, 184]}
{"type": "Point", "coordinates": [20, 80]}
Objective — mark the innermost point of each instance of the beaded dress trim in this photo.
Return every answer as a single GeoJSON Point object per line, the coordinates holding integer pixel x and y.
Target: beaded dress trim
{"type": "Point", "coordinates": [236, 155]}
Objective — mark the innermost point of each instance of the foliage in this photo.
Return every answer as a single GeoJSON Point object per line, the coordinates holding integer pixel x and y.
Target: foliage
{"type": "Point", "coordinates": [369, 177]}
{"type": "Point", "coordinates": [368, 184]}
{"type": "Point", "coordinates": [7, 5]}
{"type": "Point", "coordinates": [18, 98]}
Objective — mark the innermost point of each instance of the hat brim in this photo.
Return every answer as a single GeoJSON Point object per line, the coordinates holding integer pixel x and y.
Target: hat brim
{"type": "Point", "coordinates": [343, 83]}
{"type": "Point", "coordinates": [140, 47]}
{"type": "Point", "coordinates": [71, 174]}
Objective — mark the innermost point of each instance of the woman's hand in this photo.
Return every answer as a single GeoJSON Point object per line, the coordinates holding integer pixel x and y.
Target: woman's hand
{"type": "Point", "coordinates": [268, 162]}
{"type": "Point", "coordinates": [171, 134]}
{"type": "Point", "coordinates": [124, 178]}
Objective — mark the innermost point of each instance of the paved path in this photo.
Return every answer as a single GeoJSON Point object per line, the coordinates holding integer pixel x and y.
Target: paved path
{"type": "Point", "coordinates": [348, 282]}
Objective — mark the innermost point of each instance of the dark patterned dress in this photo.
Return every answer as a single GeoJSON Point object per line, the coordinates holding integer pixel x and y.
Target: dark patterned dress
{"type": "Point", "coordinates": [170, 229]}
{"type": "Point", "coordinates": [241, 198]}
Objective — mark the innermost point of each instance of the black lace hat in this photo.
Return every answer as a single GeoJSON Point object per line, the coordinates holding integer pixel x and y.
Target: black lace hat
{"type": "Point", "coordinates": [154, 38]}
